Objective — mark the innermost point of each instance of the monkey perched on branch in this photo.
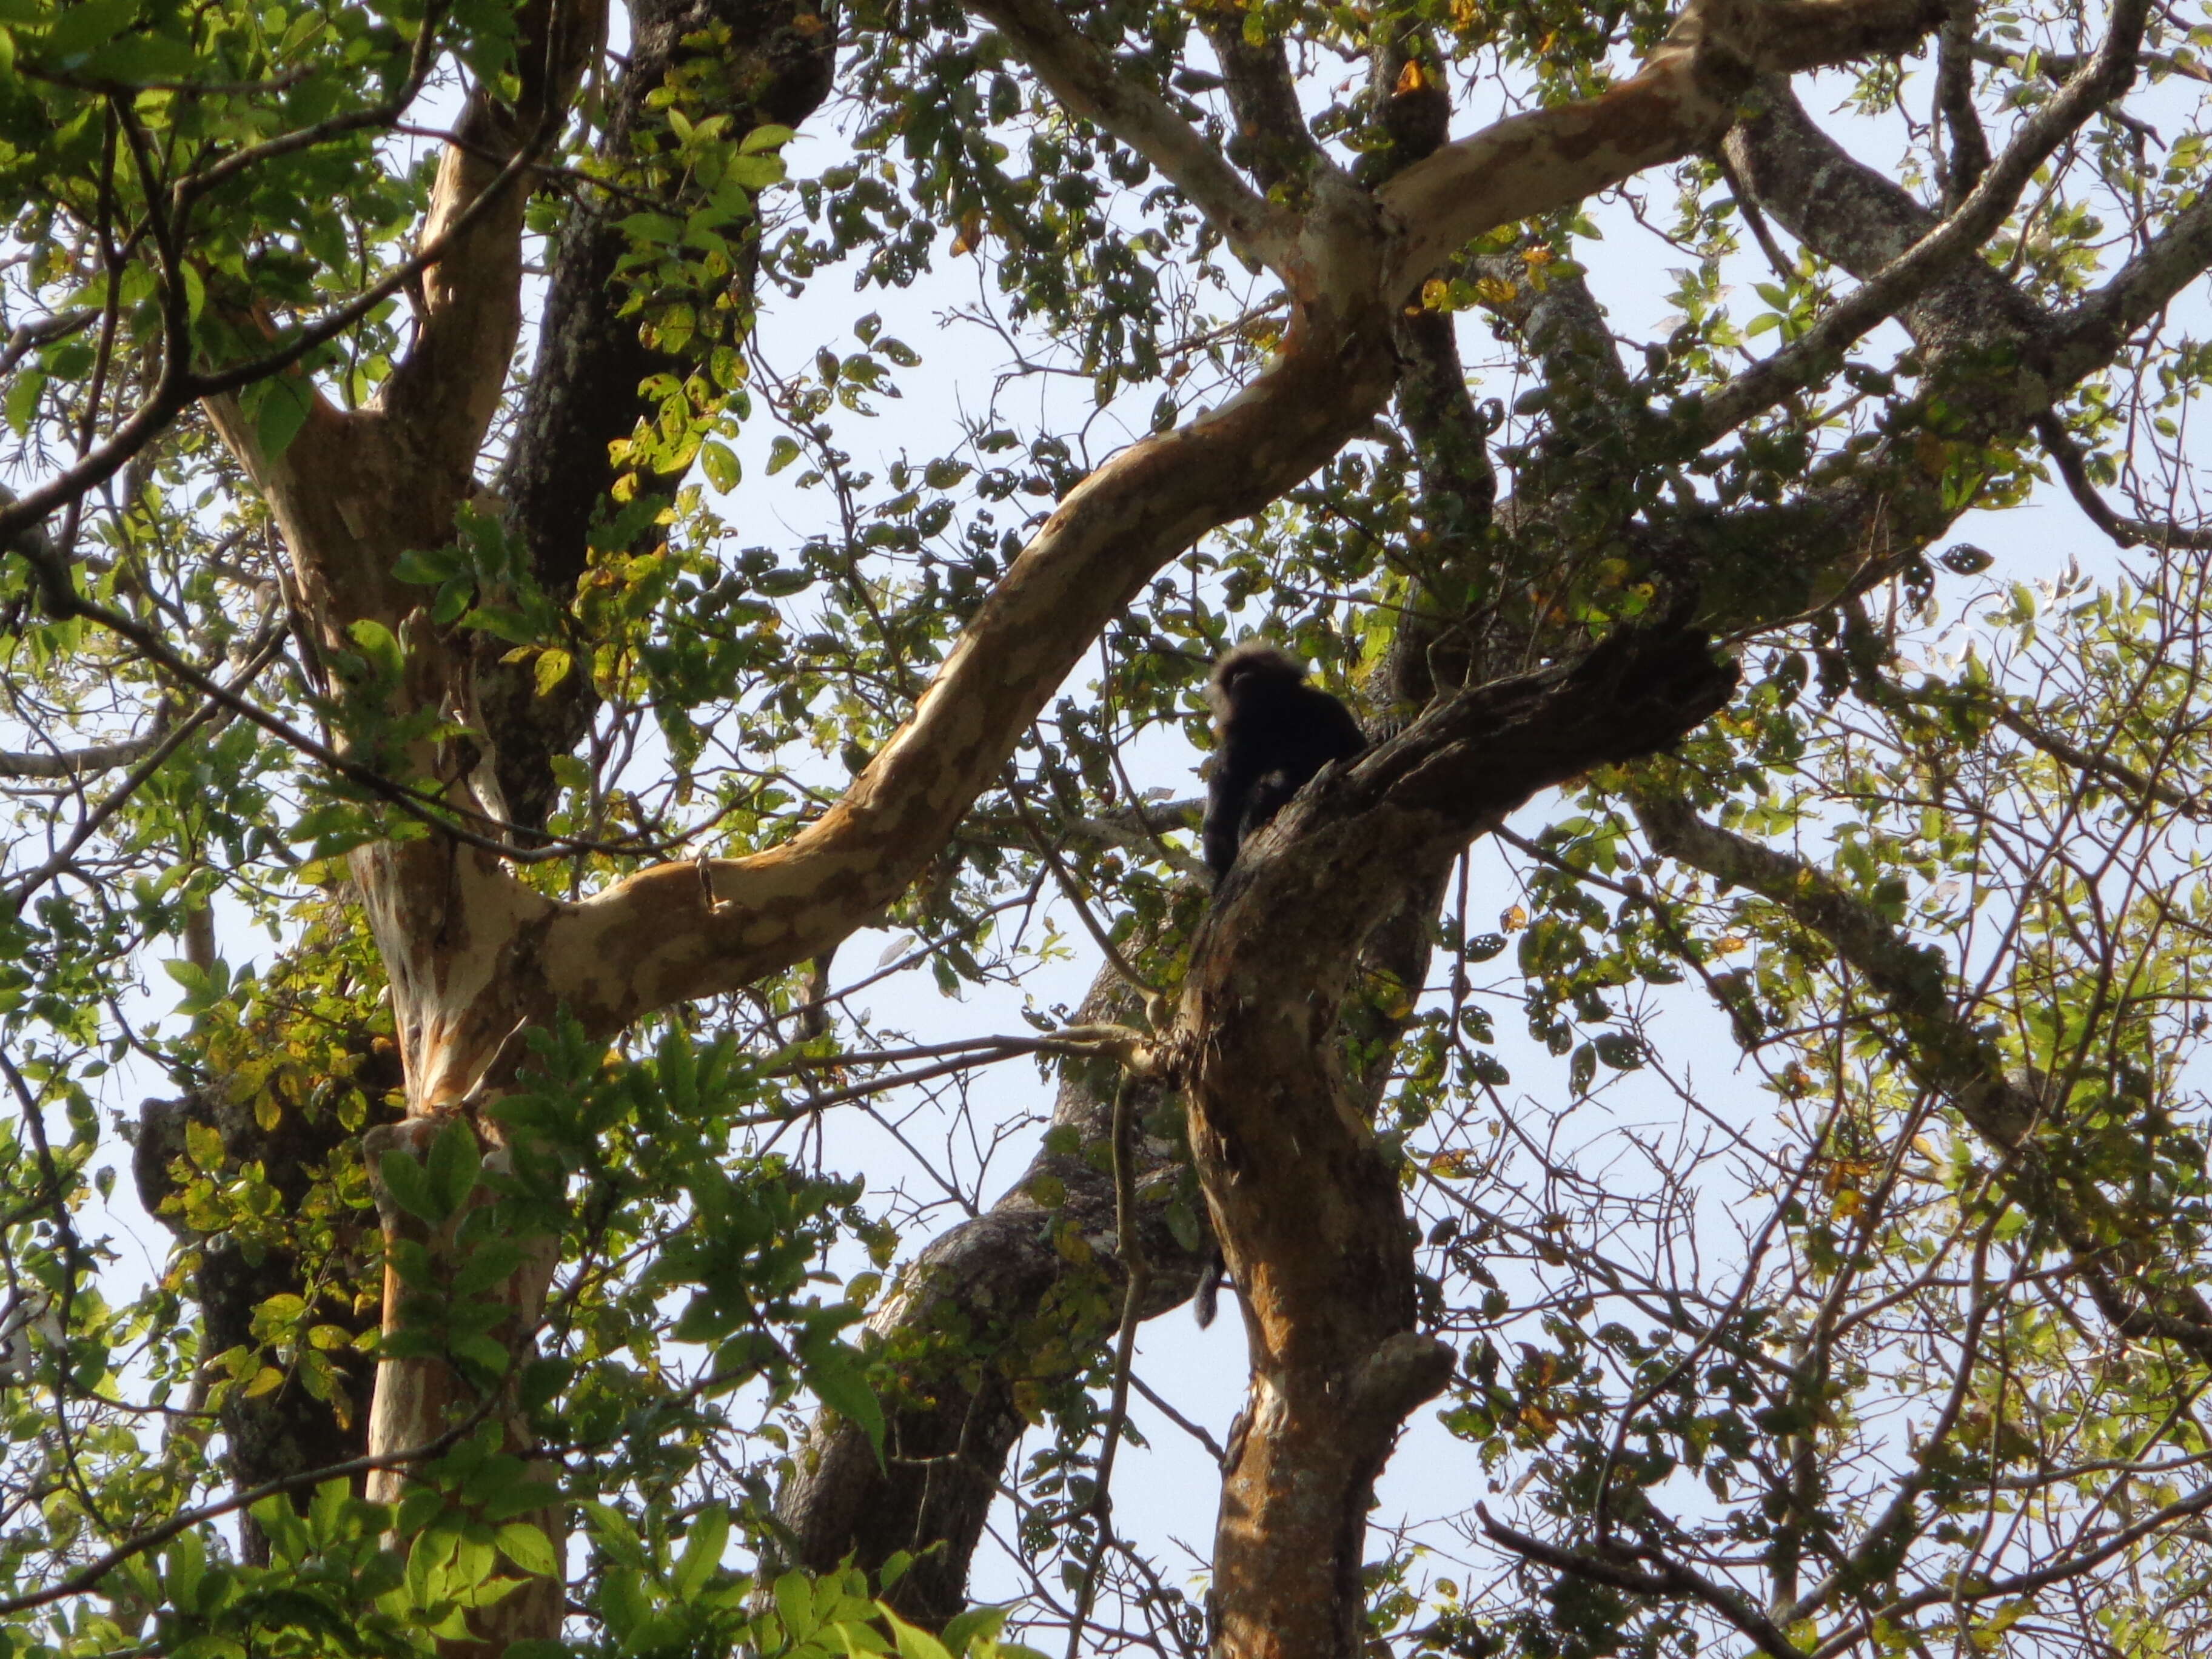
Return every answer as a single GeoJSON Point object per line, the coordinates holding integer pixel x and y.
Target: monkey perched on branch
{"type": "Point", "coordinates": [1272, 732]}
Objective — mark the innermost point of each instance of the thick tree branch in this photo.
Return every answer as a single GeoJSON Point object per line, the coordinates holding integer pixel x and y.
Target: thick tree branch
{"type": "Point", "coordinates": [1863, 221]}
{"type": "Point", "coordinates": [1686, 88]}
{"type": "Point", "coordinates": [76, 762]}
{"type": "Point", "coordinates": [656, 940]}
{"type": "Point", "coordinates": [1305, 1201]}
{"type": "Point", "coordinates": [1273, 142]}
{"type": "Point", "coordinates": [2092, 334]}
{"type": "Point", "coordinates": [658, 937]}
{"type": "Point", "coordinates": [444, 393]}
{"type": "Point", "coordinates": [1997, 359]}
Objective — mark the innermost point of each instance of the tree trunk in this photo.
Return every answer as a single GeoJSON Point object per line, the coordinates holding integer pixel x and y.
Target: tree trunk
{"type": "Point", "coordinates": [1306, 1202]}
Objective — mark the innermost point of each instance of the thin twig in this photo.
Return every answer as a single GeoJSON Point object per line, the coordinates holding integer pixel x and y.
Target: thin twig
{"type": "Point", "coordinates": [2128, 533]}
{"type": "Point", "coordinates": [1137, 1281]}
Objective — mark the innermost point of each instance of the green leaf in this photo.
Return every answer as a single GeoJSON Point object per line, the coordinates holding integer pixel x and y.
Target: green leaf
{"type": "Point", "coordinates": [838, 1377]}
{"type": "Point", "coordinates": [485, 1351]}
{"type": "Point", "coordinates": [1618, 1050]}
{"type": "Point", "coordinates": [21, 404]}
{"type": "Point", "coordinates": [203, 1146]}
{"type": "Point", "coordinates": [703, 1551]}
{"type": "Point", "coordinates": [83, 26]}
{"type": "Point", "coordinates": [410, 1187]}
{"type": "Point", "coordinates": [720, 462]}
{"type": "Point", "coordinates": [425, 566]}
{"type": "Point", "coordinates": [502, 622]}
{"type": "Point", "coordinates": [781, 453]}
{"type": "Point", "coordinates": [453, 599]}
{"type": "Point", "coordinates": [795, 1600]}
{"type": "Point", "coordinates": [284, 403]}
{"type": "Point", "coordinates": [376, 643]}
{"type": "Point", "coordinates": [453, 1167]}
{"type": "Point", "coordinates": [487, 1265]}
{"type": "Point", "coordinates": [553, 665]}
{"type": "Point", "coordinates": [963, 1629]}
{"type": "Point", "coordinates": [765, 137]}
{"type": "Point", "coordinates": [543, 1379]}
{"type": "Point", "coordinates": [137, 58]}
{"type": "Point", "coordinates": [182, 1565]}
{"type": "Point", "coordinates": [650, 229]}
{"type": "Point", "coordinates": [529, 1548]}
{"type": "Point", "coordinates": [913, 1642]}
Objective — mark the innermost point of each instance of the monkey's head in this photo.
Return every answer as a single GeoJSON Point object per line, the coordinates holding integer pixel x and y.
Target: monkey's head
{"type": "Point", "coordinates": [1253, 666]}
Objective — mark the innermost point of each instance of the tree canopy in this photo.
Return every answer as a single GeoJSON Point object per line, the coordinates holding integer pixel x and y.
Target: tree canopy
{"type": "Point", "coordinates": [1721, 1068]}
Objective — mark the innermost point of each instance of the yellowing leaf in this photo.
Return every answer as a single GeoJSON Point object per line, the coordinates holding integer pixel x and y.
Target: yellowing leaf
{"type": "Point", "coordinates": [553, 665]}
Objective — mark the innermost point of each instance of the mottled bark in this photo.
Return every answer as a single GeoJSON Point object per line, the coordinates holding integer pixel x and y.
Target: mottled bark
{"type": "Point", "coordinates": [1346, 262]}
{"type": "Point", "coordinates": [353, 491]}
{"type": "Point", "coordinates": [1995, 361]}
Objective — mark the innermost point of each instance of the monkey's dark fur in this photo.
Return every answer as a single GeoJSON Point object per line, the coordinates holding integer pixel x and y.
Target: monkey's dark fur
{"type": "Point", "coordinates": [1272, 732]}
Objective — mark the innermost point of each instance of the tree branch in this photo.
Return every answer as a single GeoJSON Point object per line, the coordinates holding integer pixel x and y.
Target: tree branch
{"type": "Point", "coordinates": [2066, 454]}
{"type": "Point", "coordinates": [1988, 206]}
{"type": "Point", "coordinates": [653, 939]}
{"type": "Point", "coordinates": [2090, 335]}
{"type": "Point", "coordinates": [1947, 1053]}
{"type": "Point", "coordinates": [443, 394]}
{"type": "Point", "coordinates": [1683, 98]}
{"type": "Point", "coordinates": [1089, 84]}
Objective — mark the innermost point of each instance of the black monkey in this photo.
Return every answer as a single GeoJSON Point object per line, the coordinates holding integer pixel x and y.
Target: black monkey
{"type": "Point", "coordinates": [1272, 732]}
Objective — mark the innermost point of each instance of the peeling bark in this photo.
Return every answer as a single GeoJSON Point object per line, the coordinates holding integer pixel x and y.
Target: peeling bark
{"type": "Point", "coordinates": [417, 1401]}
{"type": "Point", "coordinates": [652, 940]}
{"type": "Point", "coordinates": [474, 954]}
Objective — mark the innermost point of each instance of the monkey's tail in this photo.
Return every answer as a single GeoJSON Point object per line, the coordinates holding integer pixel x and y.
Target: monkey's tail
{"type": "Point", "coordinates": [1206, 1302]}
